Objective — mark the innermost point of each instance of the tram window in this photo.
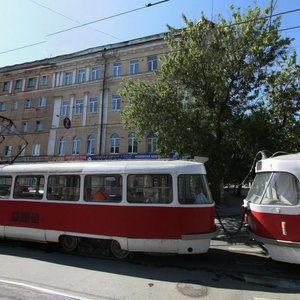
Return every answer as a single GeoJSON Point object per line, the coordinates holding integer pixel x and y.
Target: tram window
{"type": "Point", "coordinates": [283, 189]}
{"type": "Point", "coordinates": [154, 188]}
{"type": "Point", "coordinates": [193, 189]}
{"type": "Point", "coordinates": [106, 188]}
{"type": "Point", "coordinates": [258, 187]}
{"type": "Point", "coordinates": [63, 187]}
{"type": "Point", "coordinates": [5, 186]}
{"type": "Point", "coordinates": [29, 187]}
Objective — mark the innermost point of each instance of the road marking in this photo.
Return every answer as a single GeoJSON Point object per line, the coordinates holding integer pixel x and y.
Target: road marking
{"type": "Point", "coordinates": [43, 290]}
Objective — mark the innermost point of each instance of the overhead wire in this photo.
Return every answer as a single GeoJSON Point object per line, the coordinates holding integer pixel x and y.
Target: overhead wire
{"type": "Point", "coordinates": [107, 18]}
{"type": "Point", "coordinates": [85, 24]}
{"type": "Point", "coordinates": [149, 5]}
{"type": "Point", "coordinates": [73, 20]}
{"type": "Point", "coordinates": [23, 47]}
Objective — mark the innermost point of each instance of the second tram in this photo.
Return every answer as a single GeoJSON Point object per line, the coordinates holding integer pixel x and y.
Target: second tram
{"type": "Point", "coordinates": [273, 204]}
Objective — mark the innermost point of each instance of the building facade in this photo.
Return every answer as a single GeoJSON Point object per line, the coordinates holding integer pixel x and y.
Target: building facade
{"type": "Point", "coordinates": [68, 107]}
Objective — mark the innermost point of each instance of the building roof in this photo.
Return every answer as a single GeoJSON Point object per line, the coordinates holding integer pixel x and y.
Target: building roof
{"type": "Point", "coordinates": [99, 49]}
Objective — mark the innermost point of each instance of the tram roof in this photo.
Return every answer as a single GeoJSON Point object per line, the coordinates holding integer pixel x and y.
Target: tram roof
{"type": "Point", "coordinates": [114, 166]}
{"type": "Point", "coordinates": [285, 163]}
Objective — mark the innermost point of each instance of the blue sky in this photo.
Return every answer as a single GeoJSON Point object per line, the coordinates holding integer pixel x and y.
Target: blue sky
{"type": "Point", "coordinates": [26, 22]}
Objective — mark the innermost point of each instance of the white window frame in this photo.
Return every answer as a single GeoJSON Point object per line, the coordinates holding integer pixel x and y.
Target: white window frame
{"type": "Point", "coordinates": [114, 144]}
{"type": "Point", "coordinates": [90, 146]}
{"type": "Point", "coordinates": [115, 102]}
{"type": "Point", "coordinates": [2, 106]}
{"type": "Point", "coordinates": [79, 107]}
{"type": "Point", "coordinates": [132, 143]}
{"type": "Point", "coordinates": [19, 84]}
{"type": "Point", "coordinates": [117, 69]}
{"type": "Point", "coordinates": [28, 103]}
{"type": "Point", "coordinates": [22, 150]}
{"type": "Point", "coordinates": [76, 145]}
{"type": "Point", "coordinates": [36, 149]}
{"type": "Point", "coordinates": [62, 146]}
{"type": "Point", "coordinates": [95, 73]}
{"type": "Point", "coordinates": [42, 101]}
{"type": "Point", "coordinates": [8, 151]}
{"type": "Point", "coordinates": [81, 75]}
{"type": "Point", "coordinates": [31, 82]}
{"type": "Point", "coordinates": [68, 78]}
{"type": "Point", "coordinates": [39, 126]}
{"type": "Point", "coordinates": [151, 143]}
{"type": "Point", "coordinates": [24, 126]}
{"type": "Point", "coordinates": [133, 66]}
{"type": "Point", "coordinates": [65, 108]}
{"type": "Point", "coordinates": [45, 80]}
{"type": "Point", "coordinates": [152, 63]}
{"type": "Point", "coordinates": [6, 86]}
{"type": "Point", "coordinates": [93, 104]}
{"type": "Point", "coordinates": [15, 105]}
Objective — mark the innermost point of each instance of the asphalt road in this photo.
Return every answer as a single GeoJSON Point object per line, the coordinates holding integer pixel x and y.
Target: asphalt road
{"type": "Point", "coordinates": [234, 268]}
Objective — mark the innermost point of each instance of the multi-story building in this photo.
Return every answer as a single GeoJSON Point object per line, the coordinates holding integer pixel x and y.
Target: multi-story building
{"type": "Point", "coordinates": [68, 107]}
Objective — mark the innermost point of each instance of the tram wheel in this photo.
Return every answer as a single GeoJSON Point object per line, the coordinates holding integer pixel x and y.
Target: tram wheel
{"type": "Point", "coordinates": [69, 243]}
{"type": "Point", "coordinates": [117, 251]}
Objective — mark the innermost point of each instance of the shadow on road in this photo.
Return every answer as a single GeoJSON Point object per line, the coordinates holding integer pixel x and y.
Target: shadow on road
{"type": "Point", "coordinates": [217, 268]}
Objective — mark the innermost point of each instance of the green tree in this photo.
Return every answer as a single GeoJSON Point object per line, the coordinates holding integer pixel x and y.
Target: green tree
{"type": "Point", "coordinates": [209, 85]}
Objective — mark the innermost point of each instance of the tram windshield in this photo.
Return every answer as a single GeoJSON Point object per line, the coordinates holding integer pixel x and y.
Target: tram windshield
{"type": "Point", "coordinates": [274, 188]}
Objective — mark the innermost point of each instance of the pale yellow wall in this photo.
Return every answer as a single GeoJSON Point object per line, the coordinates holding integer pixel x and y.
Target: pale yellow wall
{"type": "Point", "coordinates": [84, 124]}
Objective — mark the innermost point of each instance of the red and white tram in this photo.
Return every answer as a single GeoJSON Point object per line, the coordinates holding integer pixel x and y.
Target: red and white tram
{"type": "Point", "coordinates": [147, 206]}
{"type": "Point", "coordinates": [274, 207]}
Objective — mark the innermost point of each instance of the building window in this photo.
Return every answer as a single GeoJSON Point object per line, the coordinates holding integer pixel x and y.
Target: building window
{"type": "Point", "coordinates": [15, 105]}
{"type": "Point", "coordinates": [7, 150]}
{"type": "Point", "coordinates": [115, 102]}
{"type": "Point", "coordinates": [133, 66]}
{"type": "Point", "coordinates": [28, 103]}
{"type": "Point", "coordinates": [24, 126]}
{"type": "Point", "coordinates": [78, 107]}
{"type": "Point", "coordinates": [42, 101]}
{"type": "Point", "coordinates": [22, 150]}
{"type": "Point", "coordinates": [95, 73]}
{"type": "Point", "coordinates": [45, 80]}
{"type": "Point", "coordinates": [65, 108]}
{"type": "Point", "coordinates": [114, 143]}
{"type": "Point", "coordinates": [11, 129]}
{"type": "Point", "coordinates": [81, 76]}
{"type": "Point", "coordinates": [90, 144]}
{"type": "Point", "coordinates": [132, 143]}
{"type": "Point", "coordinates": [62, 146]}
{"type": "Point", "coordinates": [117, 69]}
{"type": "Point", "coordinates": [38, 126]}
{"type": "Point", "coordinates": [151, 143]}
{"type": "Point", "coordinates": [93, 105]}
{"type": "Point", "coordinates": [6, 86]}
{"type": "Point", "coordinates": [19, 84]}
{"type": "Point", "coordinates": [152, 63]}
{"type": "Point", "coordinates": [68, 78]}
{"type": "Point", "coordinates": [36, 149]}
{"type": "Point", "coordinates": [31, 82]}
{"type": "Point", "coordinates": [2, 106]}
{"type": "Point", "coordinates": [76, 145]}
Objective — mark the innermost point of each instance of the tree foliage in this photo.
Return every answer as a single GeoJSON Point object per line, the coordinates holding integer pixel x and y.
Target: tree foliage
{"type": "Point", "coordinates": [225, 90]}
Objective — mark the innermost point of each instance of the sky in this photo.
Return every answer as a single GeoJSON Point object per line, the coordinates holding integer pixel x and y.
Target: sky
{"type": "Point", "coordinates": [39, 23]}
